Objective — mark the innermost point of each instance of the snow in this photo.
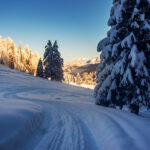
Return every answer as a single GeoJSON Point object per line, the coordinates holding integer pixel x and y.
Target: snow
{"type": "Point", "coordinates": [83, 85]}
{"type": "Point", "coordinates": [112, 87]}
{"type": "Point", "coordinates": [105, 52]}
{"type": "Point", "coordinates": [135, 25]}
{"type": "Point", "coordinates": [146, 26]}
{"type": "Point", "coordinates": [133, 55]}
{"type": "Point", "coordinates": [128, 41]}
{"type": "Point", "coordinates": [127, 77]}
{"type": "Point", "coordinates": [102, 44]}
{"type": "Point", "coordinates": [37, 114]}
{"type": "Point", "coordinates": [135, 12]}
{"type": "Point", "coordinates": [117, 12]}
{"type": "Point", "coordinates": [18, 119]}
{"type": "Point", "coordinates": [114, 50]}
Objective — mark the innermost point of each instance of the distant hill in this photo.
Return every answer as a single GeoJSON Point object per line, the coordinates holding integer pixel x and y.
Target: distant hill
{"type": "Point", "coordinates": [81, 65]}
{"type": "Point", "coordinates": [86, 68]}
{"type": "Point", "coordinates": [81, 71]}
{"type": "Point", "coordinates": [82, 62]}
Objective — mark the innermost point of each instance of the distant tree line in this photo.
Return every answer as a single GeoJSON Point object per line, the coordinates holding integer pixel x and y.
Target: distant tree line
{"type": "Point", "coordinates": [17, 58]}
{"type": "Point", "coordinates": [79, 79]}
{"type": "Point", "coordinates": [48, 67]}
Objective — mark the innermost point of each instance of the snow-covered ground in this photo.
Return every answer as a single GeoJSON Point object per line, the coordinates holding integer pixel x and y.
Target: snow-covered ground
{"type": "Point", "coordinates": [83, 85]}
{"type": "Point", "coordinates": [37, 114]}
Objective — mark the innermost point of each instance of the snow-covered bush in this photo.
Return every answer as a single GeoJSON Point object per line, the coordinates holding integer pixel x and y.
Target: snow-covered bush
{"type": "Point", "coordinates": [123, 73]}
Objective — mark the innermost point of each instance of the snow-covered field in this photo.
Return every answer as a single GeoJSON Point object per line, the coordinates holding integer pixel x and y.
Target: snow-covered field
{"type": "Point", "coordinates": [83, 85]}
{"type": "Point", "coordinates": [37, 114]}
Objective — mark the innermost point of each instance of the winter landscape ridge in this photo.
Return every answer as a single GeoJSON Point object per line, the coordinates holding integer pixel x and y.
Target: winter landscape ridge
{"type": "Point", "coordinates": [37, 114]}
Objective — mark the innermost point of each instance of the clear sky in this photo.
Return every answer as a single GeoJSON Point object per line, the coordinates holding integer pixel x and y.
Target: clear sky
{"type": "Point", "coordinates": [77, 25]}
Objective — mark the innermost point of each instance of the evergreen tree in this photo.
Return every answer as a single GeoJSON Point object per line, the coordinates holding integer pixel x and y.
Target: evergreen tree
{"type": "Point", "coordinates": [40, 69]}
{"type": "Point", "coordinates": [53, 63]}
{"type": "Point", "coordinates": [123, 73]}
{"type": "Point", "coordinates": [48, 47]}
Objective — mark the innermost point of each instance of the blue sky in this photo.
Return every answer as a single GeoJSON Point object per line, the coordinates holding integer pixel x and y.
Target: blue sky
{"type": "Point", "coordinates": [77, 25]}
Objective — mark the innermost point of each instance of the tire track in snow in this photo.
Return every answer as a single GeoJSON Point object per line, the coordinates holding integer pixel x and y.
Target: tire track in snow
{"type": "Point", "coordinates": [65, 133]}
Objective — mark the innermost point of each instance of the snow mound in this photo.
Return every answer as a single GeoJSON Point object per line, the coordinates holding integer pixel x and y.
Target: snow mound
{"type": "Point", "coordinates": [102, 44]}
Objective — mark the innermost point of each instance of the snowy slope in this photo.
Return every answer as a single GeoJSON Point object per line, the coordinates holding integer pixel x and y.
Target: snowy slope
{"type": "Point", "coordinates": [37, 114]}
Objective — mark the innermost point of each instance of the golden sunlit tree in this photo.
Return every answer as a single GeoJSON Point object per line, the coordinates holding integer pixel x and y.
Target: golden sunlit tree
{"type": "Point", "coordinates": [17, 58]}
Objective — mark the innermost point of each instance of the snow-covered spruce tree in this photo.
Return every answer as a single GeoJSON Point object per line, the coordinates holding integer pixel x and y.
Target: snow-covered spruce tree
{"type": "Point", "coordinates": [46, 60]}
{"type": "Point", "coordinates": [123, 73]}
{"type": "Point", "coordinates": [40, 69]}
{"type": "Point", "coordinates": [48, 47]}
{"type": "Point", "coordinates": [53, 63]}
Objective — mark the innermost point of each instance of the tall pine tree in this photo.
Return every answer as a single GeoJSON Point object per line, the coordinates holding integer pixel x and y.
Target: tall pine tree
{"type": "Point", "coordinates": [48, 47]}
{"type": "Point", "coordinates": [123, 73]}
{"type": "Point", "coordinates": [40, 69]}
{"type": "Point", "coordinates": [53, 62]}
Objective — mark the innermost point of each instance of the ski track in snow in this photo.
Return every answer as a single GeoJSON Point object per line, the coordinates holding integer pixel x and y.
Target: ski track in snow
{"type": "Point", "coordinates": [66, 131]}
{"type": "Point", "coordinates": [71, 120]}
{"type": "Point", "coordinates": [64, 134]}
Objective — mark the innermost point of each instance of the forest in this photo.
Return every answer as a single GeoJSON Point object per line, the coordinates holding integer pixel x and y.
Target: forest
{"type": "Point", "coordinates": [18, 58]}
